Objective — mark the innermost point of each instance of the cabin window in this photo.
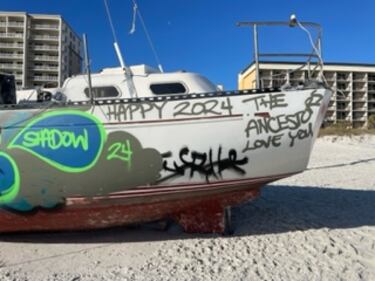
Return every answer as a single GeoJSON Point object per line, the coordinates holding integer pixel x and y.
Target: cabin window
{"type": "Point", "coordinates": [168, 88]}
{"type": "Point", "coordinates": [103, 92]}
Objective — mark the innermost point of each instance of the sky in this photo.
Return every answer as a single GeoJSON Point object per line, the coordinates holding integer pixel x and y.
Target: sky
{"type": "Point", "coordinates": [202, 36]}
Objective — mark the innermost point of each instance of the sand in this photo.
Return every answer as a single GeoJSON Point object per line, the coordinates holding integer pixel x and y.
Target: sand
{"type": "Point", "coordinates": [318, 225]}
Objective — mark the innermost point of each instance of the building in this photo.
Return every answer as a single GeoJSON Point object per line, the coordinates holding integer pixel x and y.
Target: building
{"type": "Point", "coordinates": [39, 50]}
{"type": "Point", "coordinates": [353, 99]}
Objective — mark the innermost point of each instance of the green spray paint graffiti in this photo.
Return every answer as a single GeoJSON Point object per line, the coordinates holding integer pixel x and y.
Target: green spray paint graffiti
{"type": "Point", "coordinates": [70, 141]}
{"type": "Point", "coordinates": [9, 178]}
{"type": "Point", "coordinates": [56, 139]}
{"type": "Point", "coordinates": [121, 151]}
{"type": "Point", "coordinates": [35, 160]}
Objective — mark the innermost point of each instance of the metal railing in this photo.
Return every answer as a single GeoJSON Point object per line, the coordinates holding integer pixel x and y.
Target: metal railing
{"type": "Point", "coordinates": [315, 54]}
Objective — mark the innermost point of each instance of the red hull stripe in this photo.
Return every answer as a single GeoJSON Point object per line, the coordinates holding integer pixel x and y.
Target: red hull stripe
{"type": "Point", "coordinates": [191, 187]}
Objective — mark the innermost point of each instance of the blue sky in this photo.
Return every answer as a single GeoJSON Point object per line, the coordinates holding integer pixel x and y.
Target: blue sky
{"type": "Point", "coordinates": [201, 36]}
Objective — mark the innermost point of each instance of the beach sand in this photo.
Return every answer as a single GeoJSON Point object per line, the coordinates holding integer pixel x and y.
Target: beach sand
{"type": "Point", "coordinates": [318, 225]}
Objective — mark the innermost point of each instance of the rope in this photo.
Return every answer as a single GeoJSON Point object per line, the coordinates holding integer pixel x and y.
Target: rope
{"type": "Point", "coordinates": [132, 30]}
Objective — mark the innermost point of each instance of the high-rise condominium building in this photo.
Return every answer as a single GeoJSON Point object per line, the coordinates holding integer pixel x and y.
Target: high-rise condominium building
{"type": "Point", "coordinates": [39, 50]}
{"type": "Point", "coordinates": [353, 99]}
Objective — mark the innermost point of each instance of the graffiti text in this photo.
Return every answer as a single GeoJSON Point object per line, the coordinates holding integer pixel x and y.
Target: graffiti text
{"type": "Point", "coordinates": [121, 151]}
{"type": "Point", "coordinates": [55, 139]}
{"type": "Point", "coordinates": [205, 164]}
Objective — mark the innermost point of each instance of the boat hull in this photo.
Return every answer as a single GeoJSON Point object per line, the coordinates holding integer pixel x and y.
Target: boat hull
{"type": "Point", "coordinates": [125, 161]}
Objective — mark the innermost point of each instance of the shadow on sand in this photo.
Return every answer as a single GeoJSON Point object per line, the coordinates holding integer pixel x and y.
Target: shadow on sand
{"type": "Point", "coordinates": [368, 160]}
{"type": "Point", "coordinates": [279, 209]}
{"type": "Point", "coordinates": [289, 208]}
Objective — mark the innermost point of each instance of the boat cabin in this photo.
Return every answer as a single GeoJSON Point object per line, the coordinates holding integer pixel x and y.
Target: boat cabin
{"type": "Point", "coordinates": [112, 83]}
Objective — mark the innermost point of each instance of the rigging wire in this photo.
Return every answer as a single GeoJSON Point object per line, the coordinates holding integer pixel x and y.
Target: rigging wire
{"type": "Point", "coordinates": [152, 46]}
{"type": "Point", "coordinates": [128, 73]}
{"type": "Point", "coordinates": [110, 20]}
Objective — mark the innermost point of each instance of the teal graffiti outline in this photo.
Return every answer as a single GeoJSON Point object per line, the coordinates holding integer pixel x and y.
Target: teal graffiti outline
{"type": "Point", "coordinates": [97, 122]}
{"type": "Point", "coordinates": [11, 192]}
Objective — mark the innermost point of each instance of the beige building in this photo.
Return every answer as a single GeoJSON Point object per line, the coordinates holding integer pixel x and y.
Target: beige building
{"type": "Point", "coordinates": [39, 50]}
{"type": "Point", "coordinates": [353, 99]}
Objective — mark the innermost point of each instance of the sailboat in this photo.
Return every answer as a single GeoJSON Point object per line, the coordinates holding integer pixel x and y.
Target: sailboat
{"type": "Point", "coordinates": [136, 145]}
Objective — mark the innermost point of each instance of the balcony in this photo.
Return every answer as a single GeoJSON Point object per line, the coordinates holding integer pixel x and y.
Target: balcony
{"type": "Point", "coordinates": [45, 78]}
{"type": "Point", "coordinates": [11, 66]}
{"type": "Point", "coordinates": [11, 35]}
{"type": "Point", "coordinates": [359, 97]}
{"type": "Point", "coordinates": [342, 98]}
{"type": "Point", "coordinates": [46, 58]}
{"type": "Point", "coordinates": [329, 76]}
{"type": "Point", "coordinates": [45, 48]}
{"type": "Point", "coordinates": [359, 109]}
{"type": "Point", "coordinates": [16, 24]}
{"type": "Point", "coordinates": [45, 37]}
{"type": "Point", "coordinates": [359, 77]}
{"type": "Point", "coordinates": [44, 68]}
{"type": "Point", "coordinates": [11, 56]}
{"type": "Point", "coordinates": [45, 26]}
{"type": "Point", "coordinates": [359, 89]}
{"type": "Point", "coordinates": [362, 119]}
{"type": "Point", "coordinates": [11, 45]}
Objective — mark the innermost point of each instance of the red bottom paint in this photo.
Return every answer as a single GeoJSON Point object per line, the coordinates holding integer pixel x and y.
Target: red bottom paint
{"type": "Point", "coordinates": [198, 211]}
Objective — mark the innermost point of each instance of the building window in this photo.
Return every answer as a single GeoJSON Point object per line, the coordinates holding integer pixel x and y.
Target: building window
{"type": "Point", "coordinates": [103, 92]}
{"type": "Point", "coordinates": [168, 88]}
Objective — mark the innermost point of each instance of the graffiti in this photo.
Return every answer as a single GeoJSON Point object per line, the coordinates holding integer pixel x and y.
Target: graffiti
{"type": "Point", "coordinates": [70, 140]}
{"type": "Point", "coordinates": [43, 185]}
{"type": "Point", "coordinates": [293, 126]}
{"type": "Point", "coordinates": [55, 139]}
{"type": "Point", "coordinates": [214, 107]}
{"type": "Point", "coordinates": [270, 141]}
{"type": "Point", "coordinates": [301, 134]}
{"type": "Point", "coordinates": [121, 151]}
{"type": "Point", "coordinates": [157, 110]}
{"type": "Point", "coordinates": [269, 101]}
{"type": "Point", "coordinates": [9, 178]}
{"type": "Point", "coordinates": [131, 111]}
{"type": "Point", "coordinates": [204, 164]}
